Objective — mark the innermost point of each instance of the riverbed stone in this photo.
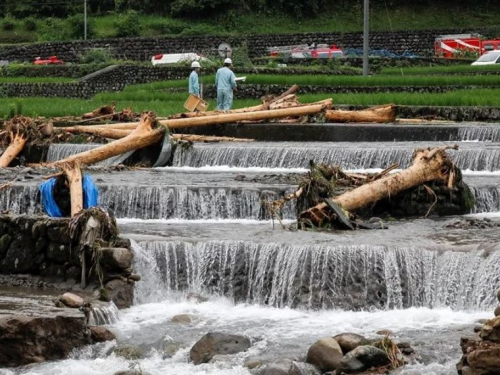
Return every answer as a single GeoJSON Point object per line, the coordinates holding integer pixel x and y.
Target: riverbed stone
{"type": "Point", "coordinates": [497, 311]}
{"type": "Point", "coordinates": [28, 339]}
{"type": "Point", "coordinates": [101, 334]}
{"type": "Point", "coordinates": [498, 295]}
{"type": "Point", "coordinates": [491, 330]}
{"type": "Point", "coordinates": [71, 300]}
{"type": "Point", "coordinates": [485, 361]}
{"type": "Point", "coordinates": [363, 358]}
{"type": "Point", "coordinates": [121, 293]}
{"type": "Point", "coordinates": [129, 352]}
{"type": "Point", "coordinates": [287, 367]}
{"type": "Point", "coordinates": [214, 343]}
{"type": "Point", "coordinates": [325, 354]}
{"type": "Point", "coordinates": [116, 258]}
{"type": "Point", "coordinates": [183, 318]}
{"type": "Point", "coordinates": [350, 341]}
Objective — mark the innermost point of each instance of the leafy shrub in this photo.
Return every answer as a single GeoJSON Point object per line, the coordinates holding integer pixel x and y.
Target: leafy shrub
{"type": "Point", "coordinates": [8, 24]}
{"type": "Point", "coordinates": [128, 25]}
{"type": "Point", "coordinates": [30, 24]}
{"type": "Point", "coordinates": [96, 56]}
{"type": "Point", "coordinates": [200, 29]}
{"type": "Point", "coordinates": [76, 27]}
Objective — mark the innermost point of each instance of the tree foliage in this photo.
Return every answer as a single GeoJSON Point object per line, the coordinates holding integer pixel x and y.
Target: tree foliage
{"type": "Point", "coordinates": [207, 8]}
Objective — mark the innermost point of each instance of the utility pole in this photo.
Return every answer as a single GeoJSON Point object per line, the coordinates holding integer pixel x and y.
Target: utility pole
{"type": "Point", "coordinates": [85, 19]}
{"type": "Point", "coordinates": [366, 31]}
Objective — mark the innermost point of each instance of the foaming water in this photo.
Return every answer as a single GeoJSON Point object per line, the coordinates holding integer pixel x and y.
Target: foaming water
{"type": "Point", "coordinates": [275, 333]}
{"type": "Point", "coordinates": [227, 168]}
{"type": "Point", "coordinates": [202, 221]}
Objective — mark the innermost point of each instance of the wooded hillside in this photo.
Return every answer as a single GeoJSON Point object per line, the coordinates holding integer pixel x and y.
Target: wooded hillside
{"type": "Point", "coordinates": [207, 8]}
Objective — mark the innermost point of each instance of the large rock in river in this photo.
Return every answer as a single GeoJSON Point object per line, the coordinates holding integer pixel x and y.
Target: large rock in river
{"type": "Point", "coordinates": [71, 300]}
{"type": "Point", "coordinates": [363, 358]}
{"type": "Point", "coordinates": [215, 343]}
{"type": "Point", "coordinates": [485, 361]}
{"type": "Point", "coordinates": [491, 330]}
{"type": "Point", "coordinates": [325, 354]}
{"type": "Point", "coordinates": [26, 339]}
{"type": "Point", "coordinates": [350, 341]}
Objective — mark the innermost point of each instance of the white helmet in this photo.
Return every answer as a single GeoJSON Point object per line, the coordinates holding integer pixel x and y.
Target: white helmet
{"type": "Point", "coordinates": [228, 61]}
{"type": "Point", "coordinates": [195, 64]}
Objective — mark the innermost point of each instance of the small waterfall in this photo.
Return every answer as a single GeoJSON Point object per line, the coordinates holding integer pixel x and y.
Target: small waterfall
{"type": "Point", "coordinates": [157, 202]}
{"type": "Point", "coordinates": [291, 156]}
{"type": "Point", "coordinates": [313, 276]}
{"type": "Point", "coordinates": [104, 314]}
{"type": "Point", "coordinates": [487, 198]}
{"type": "Point", "coordinates": [58, 151]}
{"type": "Point", "coordinates": [20, 199]}
{"type": "Point", "coordinates": [479, 133]}
{"type": "Point", "coordinates": [194, 203]}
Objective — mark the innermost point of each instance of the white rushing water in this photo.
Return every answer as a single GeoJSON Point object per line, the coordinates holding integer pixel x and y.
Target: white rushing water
{"type": "Point", "coordinates": [312, 276]}
{"type": "Point", "coordinates": [275, 333]}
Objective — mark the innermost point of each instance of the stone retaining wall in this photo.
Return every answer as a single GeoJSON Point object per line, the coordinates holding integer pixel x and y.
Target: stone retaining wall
{"type": "Point", "coordinates": [61, 90]}
{"type": "Point", "coordinates": [41, 247]}
{"type": "Point", "coordinates": [142, 49]}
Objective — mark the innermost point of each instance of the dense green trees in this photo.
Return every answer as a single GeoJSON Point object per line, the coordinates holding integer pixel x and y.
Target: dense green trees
{"type": "Point", "coordinates": [204, 8]}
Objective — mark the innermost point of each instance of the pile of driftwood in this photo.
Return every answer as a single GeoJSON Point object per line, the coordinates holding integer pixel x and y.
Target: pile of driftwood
{"type": "Point", "coordinates": [330, 197]}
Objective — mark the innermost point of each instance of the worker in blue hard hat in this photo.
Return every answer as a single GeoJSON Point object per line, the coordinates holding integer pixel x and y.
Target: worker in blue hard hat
{"type": "Point", "coordinates": [194, 83]}
{"type": "Point", "coordinates": [225, 81]}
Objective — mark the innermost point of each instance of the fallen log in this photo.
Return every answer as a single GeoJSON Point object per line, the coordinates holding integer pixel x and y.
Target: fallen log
{"type": "Point", "coordinates": [101, 111]}
{"type": "Point", "coordinates": [430, 164]}
{"type": "Point", "coordinates": [144, 135]}
{"type": "Point", "coordinates": [73, 174]}
{"type": "Point", "coordinates": [379, 114]}
{"type": "Point", "coordinates": [121, 133]}
{"type": "Point", "coordinates": [16, 146]}
{"type": "Point", "coordinates": [208, 138]}
{"type": "Point", "coordinates": [304, 110]}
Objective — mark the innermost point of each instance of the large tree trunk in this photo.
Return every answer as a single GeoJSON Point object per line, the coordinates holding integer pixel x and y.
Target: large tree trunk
{"type": "Point", "coordinates": [428, 165]}
{"type": "Point", "coordinates": [260, 107]}
{"type": "Point", "coordinates": [144, 135]}
{"type": "Point", "coordinates": [15, 147]}
{"type": "Point", "coordinates": [230, 118]}
{"type": "Point", "coordinates": [74, 175]}
{"type": "Point", "coordinates": [380, 114]}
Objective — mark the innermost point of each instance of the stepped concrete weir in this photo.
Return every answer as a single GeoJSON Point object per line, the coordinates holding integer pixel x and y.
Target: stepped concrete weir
{"type": "Point", "coordinates": [212, 259]}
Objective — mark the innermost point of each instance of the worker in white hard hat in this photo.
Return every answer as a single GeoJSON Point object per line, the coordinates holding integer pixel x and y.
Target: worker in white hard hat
{"type": "Point", "coordinates": [225, 81]}
{"type": "Point", "coordinates": [194, 83]}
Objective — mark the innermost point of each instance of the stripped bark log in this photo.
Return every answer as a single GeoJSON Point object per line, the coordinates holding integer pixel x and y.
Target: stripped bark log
{"type": "Point", "coordinates": [380, 114]}
{"type": "Point", "coordinates": [303, 110]}
{"type": "Point", "coordinates": [208, 138]}
{"type": "Point", "coordinates": [74, 176]}
{"type": "Point", "coordinates": [428, 165]}
{"type": "Point", "coordinates": [16, 146]}
{"type": "Point", "coordinates": [144, 135]}
{"type": "Point", "coordinates": [101, 111]}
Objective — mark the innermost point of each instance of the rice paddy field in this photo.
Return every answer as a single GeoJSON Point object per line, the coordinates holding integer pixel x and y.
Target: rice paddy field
{"type": "Point", "coordinates": [466, 90]}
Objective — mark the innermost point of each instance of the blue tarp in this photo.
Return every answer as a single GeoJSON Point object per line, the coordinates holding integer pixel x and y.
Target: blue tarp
{"type": "Point", "coordinates": [90, 195]}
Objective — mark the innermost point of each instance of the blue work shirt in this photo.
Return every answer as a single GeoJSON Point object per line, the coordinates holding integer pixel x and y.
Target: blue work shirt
{"type": "Point", "coordinates": [225, 79]}
{"type": "Point", "coordinates": [194, 84]}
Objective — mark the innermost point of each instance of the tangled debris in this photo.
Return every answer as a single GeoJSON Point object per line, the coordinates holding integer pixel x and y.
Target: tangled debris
{"type": "Point", "coordinates": [330, 198]}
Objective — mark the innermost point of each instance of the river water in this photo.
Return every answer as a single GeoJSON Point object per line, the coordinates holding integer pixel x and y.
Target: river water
{"type": "Point", "coordinates": [200, 228]}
